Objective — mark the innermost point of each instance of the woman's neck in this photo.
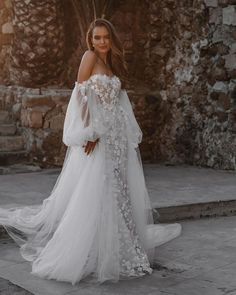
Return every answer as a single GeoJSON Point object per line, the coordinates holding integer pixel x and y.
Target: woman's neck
{"type": "Point", "coordinates": [102, 56]}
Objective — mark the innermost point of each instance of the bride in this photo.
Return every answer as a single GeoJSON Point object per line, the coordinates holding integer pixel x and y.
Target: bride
{"type": "Point", "coordinates": [97, 222]}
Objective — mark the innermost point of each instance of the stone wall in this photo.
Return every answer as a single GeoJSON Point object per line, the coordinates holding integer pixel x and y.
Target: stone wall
{"type": "Point", "coordinates": [207, 135]}
{"type": "Point", "coordinates": [181, 57]}
{"type": "Point", "coordinates": [6, 39]}
{"type": "Point", "coordinates": [38, 43]}
{"type": "Point", "coordinates": [183, 63]}
{"type": "Point", "coordinates": [39, 114]}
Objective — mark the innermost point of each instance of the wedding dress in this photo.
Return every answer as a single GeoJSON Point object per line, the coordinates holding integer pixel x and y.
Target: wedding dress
{"type": "Point", "coordinates": [97, 221]}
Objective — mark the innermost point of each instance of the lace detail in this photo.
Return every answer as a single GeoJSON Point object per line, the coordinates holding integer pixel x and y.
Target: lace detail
{"type": "Point", "coordinates": [132, 258]}
{"type": "Point", "coordinates": [106, 88]}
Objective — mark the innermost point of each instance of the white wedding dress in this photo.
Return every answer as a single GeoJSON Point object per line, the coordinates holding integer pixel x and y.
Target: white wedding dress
{"type": "Point", "coordinates": [97, 221]}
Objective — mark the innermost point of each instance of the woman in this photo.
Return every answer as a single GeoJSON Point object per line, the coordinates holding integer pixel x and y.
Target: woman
{"type": "Point", "coordinates": [97, 222]}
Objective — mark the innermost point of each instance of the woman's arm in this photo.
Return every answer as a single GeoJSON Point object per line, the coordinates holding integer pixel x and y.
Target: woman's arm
{"type": "Point", "coordinates": [86, 66]}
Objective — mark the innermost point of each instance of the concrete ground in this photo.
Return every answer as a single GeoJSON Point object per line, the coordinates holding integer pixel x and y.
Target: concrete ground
{"type": "Point", "coordinates": [168, 186]}
{"type": "Point", "coordinates": [7, 288]}
{"type": "Point", "coordinates": [202, 261]}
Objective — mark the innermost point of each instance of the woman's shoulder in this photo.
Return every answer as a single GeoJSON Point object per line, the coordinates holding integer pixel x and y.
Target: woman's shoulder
{"type": "Point", "coordinates": [86, 66]}
{"type": "Point", "coordinates": [89, 56]}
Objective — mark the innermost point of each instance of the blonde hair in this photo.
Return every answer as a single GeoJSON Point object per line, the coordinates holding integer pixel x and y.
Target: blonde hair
{"type": "Point", "coordinates": [115, 56]}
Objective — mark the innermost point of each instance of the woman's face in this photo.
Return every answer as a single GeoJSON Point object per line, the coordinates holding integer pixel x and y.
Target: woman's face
{"type": "Point", "coordinates": [101, 39]}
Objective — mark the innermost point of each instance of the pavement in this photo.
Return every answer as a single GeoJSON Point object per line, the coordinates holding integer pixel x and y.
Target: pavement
{"type": "Point", "coordinates": [202, 261]}
{"type": "Point", "coordinates": [7, 288]}
{"type": "Point", "coordinates": [177, 192]}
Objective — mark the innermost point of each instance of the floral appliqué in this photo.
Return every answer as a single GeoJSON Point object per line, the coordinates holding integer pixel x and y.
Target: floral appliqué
{"type": "Point", "coordinates": [132, 257]}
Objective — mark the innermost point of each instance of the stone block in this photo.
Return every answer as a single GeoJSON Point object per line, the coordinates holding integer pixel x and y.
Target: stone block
{"type": "Point", "coordinates": [183, 75]}
{"type": "Point", "coordinates": [214, 95]}
{"type": "Point", "coordinates": [187, 35]}
{"type": "Point", "coordinates": [30, 101]}
{"type": "Point", "coordinates": [154, 19]}
{"type": "Point", "coordinates": [32, 91]}
{"type": "Point", "coordinates": [222, 49]}
{"type": "Point", "coordinates": [229, 15]}
{"type": "Point", "coordinates": [156, 35]}
{"type": "Point", "coordinates": [35, 119]}
{"type": "Point", "coordinates": [211, 3]}
{"type": "Point", "coordinates": [215, 16]}
{"type": "Point", "coordinates": [173, 93]}
{"type": "Point", "coordinates": [184, 20]}
{"type": "Point", "coordinates": [12, 143]}
{"type": "Point", "coordinates": [160, 51]}
{"type": "Point", "coordinates": [7, 129]}
{"type": "Point", "coordinates": [203, 42]}
{"type": "Point", "coordinates": [7, 28]}
{"type": "Point", "coordinates": [16, 108]}
{"type": "Point", "coordinates": [56, 123]}
{"type": "Point", "coordinates": [167, 14]}
{"type": "Point", "coordinates": [233, 49]}
{"type": "Point", "coordinates": [60, 100]}
{"type": "Point", "coordinates": [52, 141]}
{"type": "Point", "coordinates": [223, 34]}
{"type": "Point", "coordinates": [224, 100]}
{"type": "Point", "coordinates": [233, 94]}
{"type": "Point", "coordinates": [4, 116]}
{"type": "Point", "coordinates": [46, 124]}
{"type": "Point", "coordinates": [220, 87]}
{"type": "Point", "coordinates": [230, 61]}
{"type": "Point", "coordinates": [24, 117]}
{"type": "Point", "coordinates": [219, 74]}
{"type": "Point", "coordinates": [232, 74]}
{"type": "Point", "coordinates": [5, 39]}
{"type": "Point", "coordinates": [223, 3]}
{"type": "Point", "coordinates": [43, 109]}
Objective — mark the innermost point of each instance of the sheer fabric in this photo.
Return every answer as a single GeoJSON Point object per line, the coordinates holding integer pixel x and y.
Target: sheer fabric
{"type": "Point", "coordinates": [97, 221]}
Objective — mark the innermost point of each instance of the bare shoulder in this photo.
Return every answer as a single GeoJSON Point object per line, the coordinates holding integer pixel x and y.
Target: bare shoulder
{"type": "Point", "coordinates": [89, 55]}
{"type": "Point", "coordinates": [86, 66]}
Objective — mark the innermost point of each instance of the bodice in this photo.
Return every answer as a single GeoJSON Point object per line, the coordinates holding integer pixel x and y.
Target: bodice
{"type": "Point", "coordinates": [100, 108]}
{"type": "Point", "coordinates": [106, 88]}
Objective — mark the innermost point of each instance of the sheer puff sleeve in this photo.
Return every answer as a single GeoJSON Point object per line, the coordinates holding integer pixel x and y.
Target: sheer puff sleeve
{"type": "Point", "coordinates": [83, 120]}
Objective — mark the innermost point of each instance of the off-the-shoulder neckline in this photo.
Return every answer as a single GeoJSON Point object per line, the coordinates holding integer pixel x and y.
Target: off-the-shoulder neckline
{"type": "Point", "coordinates": [96, 74]}
{"type": "Point", "coordinates": [102, 74]}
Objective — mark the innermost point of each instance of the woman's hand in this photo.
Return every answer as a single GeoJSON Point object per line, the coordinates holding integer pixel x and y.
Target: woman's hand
{"type": "Point", "coordinates": [90, 145]}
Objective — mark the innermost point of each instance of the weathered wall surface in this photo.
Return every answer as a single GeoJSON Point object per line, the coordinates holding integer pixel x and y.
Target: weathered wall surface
{"type": "Point", "coordinates": [38, 43]}
{"type": "Point", "coordinates": [182, 61]}
{"type": "Point", "coordinates": [6, 39]}
{"type": "Point", "coordinates": [207, 133]}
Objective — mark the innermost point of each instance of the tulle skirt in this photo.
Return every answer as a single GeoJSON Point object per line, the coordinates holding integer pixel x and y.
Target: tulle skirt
{"type": "Point", "coordinates": [78, 230]}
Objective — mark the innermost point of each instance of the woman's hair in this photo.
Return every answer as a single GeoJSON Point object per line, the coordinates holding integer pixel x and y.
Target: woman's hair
{"type": "Point", "coordinates": [115, 56]}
